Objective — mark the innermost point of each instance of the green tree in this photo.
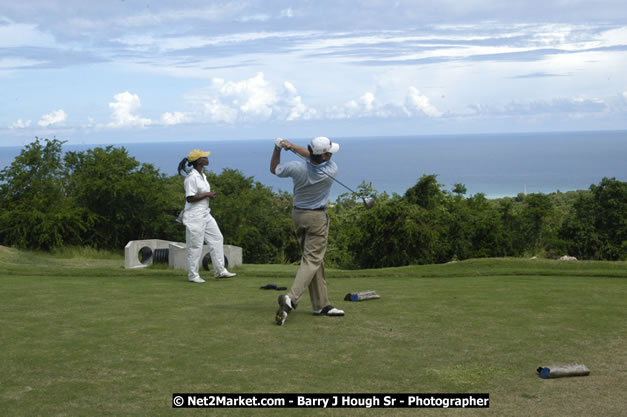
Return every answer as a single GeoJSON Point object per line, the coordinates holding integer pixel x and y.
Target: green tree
{"type": "Point", "coordinates": [393, 233]}
{"type": "Point", "coordinates": [475, 229]}
{"type": "Point", "coordinates": [596, 227]}
{"type": "Point", "coordinates": [537, 209]}
{"type": "Point", "coordinates": [251, 216]}
{"type": "Point", "coordinates": [611, 217]}
{"type": "Point", "coordinates": [35, 212]}
{"type": "Point", "coordinates": [345, 225]}
{"type": "Point", "coordinates": [426, 193]}
{"type": "Point", "coordinates": [579, 231]}
{"type": "Point", "coordinates": [511, 221]}
{"type": "Point", "coordinates": [459, 189]}
{"type": "Point", "coordinates": [126, 200]}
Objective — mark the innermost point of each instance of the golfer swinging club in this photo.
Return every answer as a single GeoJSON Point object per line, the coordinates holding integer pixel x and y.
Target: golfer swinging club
{"type": "Point", "coordinates": [199, 223]}
{"type": "Point", "coordinates": [312, 188]}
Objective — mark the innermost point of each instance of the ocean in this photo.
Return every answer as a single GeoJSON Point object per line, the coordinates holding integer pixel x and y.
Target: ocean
{"type": "Point", "coordinates": [496, 165]}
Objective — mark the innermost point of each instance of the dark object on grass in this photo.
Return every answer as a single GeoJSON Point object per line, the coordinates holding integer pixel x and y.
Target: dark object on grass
{"type": "Point", "coordinates": [273, 287]}
{"type": "Point", "coordinates": [563, 371]}
{"type": "Point", "coordinates": [206, 261]}
{"type": "Point", "coordinates": [361, 296]}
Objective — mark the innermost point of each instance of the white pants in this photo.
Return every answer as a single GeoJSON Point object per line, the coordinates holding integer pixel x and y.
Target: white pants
{"type": "Point", "coordinates": [199, 229]}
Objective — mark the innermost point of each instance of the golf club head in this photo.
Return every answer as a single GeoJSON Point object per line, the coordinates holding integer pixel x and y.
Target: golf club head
{"type": "Point", "coordinates": [368, 202]}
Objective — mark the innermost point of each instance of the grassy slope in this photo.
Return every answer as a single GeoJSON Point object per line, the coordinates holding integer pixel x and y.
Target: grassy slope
{"type": "Point", "coordinates": [85, 337]}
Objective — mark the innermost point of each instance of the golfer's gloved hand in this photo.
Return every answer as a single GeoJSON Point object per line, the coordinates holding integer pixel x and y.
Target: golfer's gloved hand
{"type": "Point", "coordinates": [278, 142]}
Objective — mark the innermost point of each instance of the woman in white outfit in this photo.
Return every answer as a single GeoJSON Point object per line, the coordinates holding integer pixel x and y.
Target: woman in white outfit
{"type": "Point", "coordinates": [199, 223]}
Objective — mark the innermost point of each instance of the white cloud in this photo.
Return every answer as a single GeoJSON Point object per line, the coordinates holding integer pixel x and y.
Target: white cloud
{"type": "Point", "coordinates": [16, 64]}
{"type": "Point", "coordinates": [367, 105]}
{"type": "Point", "coordinates": [299, 110]}
{"type": "Point", "coordinates": [293, 103]}
{"type": "Point", "coordinates": [418, 103]}
{"type": "Point", "coordinates": [151, 42]}
{"type": "Point", "coordinates": [289, 87]}
{"type": "Point", "coordinates": [123, 108]}
{"type": "Point", "coordinates": [263, 17]}
{"type": "Point", "coordinates": [519, 108]}
{"type": "Point", "coordinates": [180, 14]}
{"type": "Point", "coordinates": [20, 124]}
{"type": "Point", "coordinates": [367, 100]}
{"type": "Point", "coordinates": [355, 108]}
{"type": "Point", "coordinates": [15, 35]}
{"type": "Point", "coordinates": [360, 107]}
{"type": "Point", "coordinates": [54, 118]}
{"type": "Point", "coordinates": [175, 118]}
{"type": "Point", "coordinates": [614, 37]}
{"type": "Point", "coordinates": [251, 99]}
{"type": "Point", "coordinates": [219, 112]}
{"type": "Point", "coordinates": [254, 96]}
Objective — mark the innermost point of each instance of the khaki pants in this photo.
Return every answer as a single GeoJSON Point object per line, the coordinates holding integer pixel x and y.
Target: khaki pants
{"type": "Point", "coordinates": [312, 232]}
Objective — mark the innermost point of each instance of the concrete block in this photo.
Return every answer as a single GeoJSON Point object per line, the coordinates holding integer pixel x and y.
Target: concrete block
{"type": "Point", "coordinates": [233, 254]}
{"type": "Point", "coordinates": [177, 258]}
{"type": "Point", "coordinates": [139, 253]}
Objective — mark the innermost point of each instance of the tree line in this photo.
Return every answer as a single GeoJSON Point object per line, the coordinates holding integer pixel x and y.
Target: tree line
{"type": "Point", "coordinates": [103, 198]}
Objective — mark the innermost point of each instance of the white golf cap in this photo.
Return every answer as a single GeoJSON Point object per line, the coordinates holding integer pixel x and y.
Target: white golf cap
{"type": "Point", "coordinates": [322, 145]}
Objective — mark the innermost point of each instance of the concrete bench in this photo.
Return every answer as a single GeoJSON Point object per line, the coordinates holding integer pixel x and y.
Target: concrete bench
{"type": "Point", "coordinates": [142, 253]}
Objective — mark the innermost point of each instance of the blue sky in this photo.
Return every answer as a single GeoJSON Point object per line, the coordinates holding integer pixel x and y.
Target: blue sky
{"type": "Point", "coordinates": [133, 71]}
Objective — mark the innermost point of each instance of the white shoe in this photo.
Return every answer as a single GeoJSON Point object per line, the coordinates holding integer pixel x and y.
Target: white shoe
{"type": "Point", "coordinates": [226, 274]}
{"type": "Point", "coordinates": [329, 311]}
{"type": "Point", "coordinates": [197, 280]}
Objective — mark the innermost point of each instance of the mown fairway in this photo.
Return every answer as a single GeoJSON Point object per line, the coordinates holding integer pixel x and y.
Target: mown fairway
{"type": "Point", "coordinates": [84, 337]}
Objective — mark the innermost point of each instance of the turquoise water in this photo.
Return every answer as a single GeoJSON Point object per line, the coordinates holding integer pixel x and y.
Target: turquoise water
{"type": "Point", "coordinates": [495, 164]}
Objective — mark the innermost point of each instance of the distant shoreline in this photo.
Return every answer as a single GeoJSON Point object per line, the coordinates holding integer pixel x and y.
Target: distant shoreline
{"type": "Point", "coordinates": [496, 165]}
{"type": "Point", "coordinates": [338, 138]}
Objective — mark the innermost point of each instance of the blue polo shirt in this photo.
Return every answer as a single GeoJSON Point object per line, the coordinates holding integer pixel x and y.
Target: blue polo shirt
{"type": "Point", "coordinates": [312, 187]}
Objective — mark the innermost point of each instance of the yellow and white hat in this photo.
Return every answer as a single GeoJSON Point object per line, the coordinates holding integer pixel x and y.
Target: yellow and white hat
{"type": "Point", "coordinates": [196, 154]}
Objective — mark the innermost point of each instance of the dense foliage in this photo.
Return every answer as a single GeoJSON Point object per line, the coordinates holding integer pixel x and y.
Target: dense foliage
{"type": "Point", "coordinates": [102, 198]}
{"type": "Point", "coordinates": [253, 217]}
{"type": "Point", "coordinates": [34, 209]}
{"type": "Point", "coordinates": [596, 227]}
{"type": "Point", "coordinates": [124, 199]}
{"type": "Point", "coordinates": [431, 225]}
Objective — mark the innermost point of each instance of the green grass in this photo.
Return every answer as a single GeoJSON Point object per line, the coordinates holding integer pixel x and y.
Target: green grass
{"type": "Point", "coordinates": [82, 336]}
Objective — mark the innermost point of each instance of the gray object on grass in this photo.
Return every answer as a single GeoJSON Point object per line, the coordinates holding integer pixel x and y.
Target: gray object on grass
{"type": "Point", "coordinates": [361, 296]}
{"type": "Point", "coordinates": [560, 371]}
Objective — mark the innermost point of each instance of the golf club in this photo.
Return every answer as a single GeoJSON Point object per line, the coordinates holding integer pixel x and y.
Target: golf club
{"type": "Point", "coordinates": [368, 201]}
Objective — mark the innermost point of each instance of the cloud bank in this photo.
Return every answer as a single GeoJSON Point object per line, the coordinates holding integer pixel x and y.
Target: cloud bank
{"type": "Point", "coordinates": [162, 66]}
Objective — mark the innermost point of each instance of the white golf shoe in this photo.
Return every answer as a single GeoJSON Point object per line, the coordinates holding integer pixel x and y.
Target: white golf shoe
{"type": "Point", "coordinates": [226, 274]}
{"type": "Point", "coordinates": [197, 280]}
{"type": "Point", "coordinates": [329, 311]}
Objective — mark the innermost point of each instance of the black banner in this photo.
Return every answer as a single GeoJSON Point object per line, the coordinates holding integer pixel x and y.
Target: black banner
{"type": "Point", "coordinates": [428, 400]}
